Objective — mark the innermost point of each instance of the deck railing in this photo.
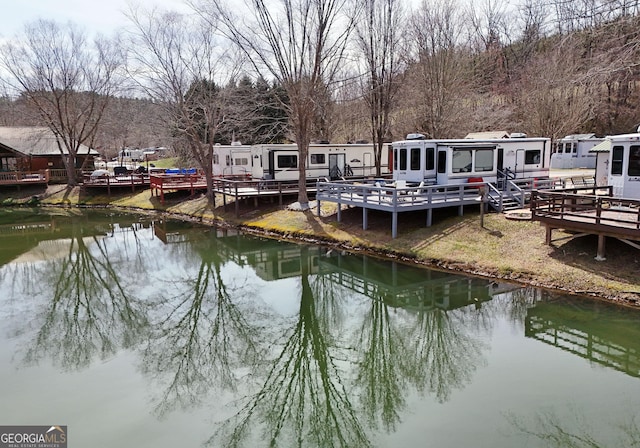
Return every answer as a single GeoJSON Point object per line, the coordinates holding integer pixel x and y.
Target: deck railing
{"type": "Point", "coordinates": [24, 177]}
{"type": "Point", "coordinates": [398, 196]}
{"type": "Point", "coordinates": [599, 207]}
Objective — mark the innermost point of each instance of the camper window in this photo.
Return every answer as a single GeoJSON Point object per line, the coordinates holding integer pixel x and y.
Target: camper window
{"type": "Point", "coordinates": [442, 162]}
{"type": "Point", "coordinates": [287, 161]}
{"type": "Point", "coordinates": [430, 159]}
{"type": "Point", "coordinates": [403, 158]}
{"type": "Point", "coordinates": [317, 159]}
{"type": "Point", "coordinates": [415, 159]}
{"type": "Point", "coordinates": [228, 159]}
{"type": "Point", "coordinates": [634, 161]}
{"type": "Point", "coordinates": [216, 159]}
{"type": "Point", "coordinates": [241, 161]}
{"type": "Point", "coordinates": [532, 157]}
{"type": "Point", "coordinates": [617, 154]}
{"type": "Point", "coordinates": [462, 159]}
{"type": "Point", "coordinates": [484, 160]}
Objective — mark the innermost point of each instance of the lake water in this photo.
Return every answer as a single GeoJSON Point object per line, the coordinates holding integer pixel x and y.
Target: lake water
{"type": "Point", "coordinates": [141, 332]}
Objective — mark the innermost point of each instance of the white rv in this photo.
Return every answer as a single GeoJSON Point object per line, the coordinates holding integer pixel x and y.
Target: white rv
{"type": "Point", "coordinates": [131, 155]}
{"type": "Point", "coordinates": [619, 159]}
{"type": "Point", "coordinates": [232, 160]}
{"type": "Point", "coordinates": [281, 162]}
{"type": "Point", "coordinates": [572, 151]}
{"type": "Point", "coordinates": [445, 162]}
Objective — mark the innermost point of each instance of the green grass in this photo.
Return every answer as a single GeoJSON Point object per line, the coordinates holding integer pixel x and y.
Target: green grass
{"type": "Point", "coordinates": [169, 162]}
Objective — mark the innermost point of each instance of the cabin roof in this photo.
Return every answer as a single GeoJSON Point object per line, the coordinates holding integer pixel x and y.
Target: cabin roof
{"type": "Point", "coordinates": [603, 146]}
{"type": "Point", "coordinates": [35, 141]}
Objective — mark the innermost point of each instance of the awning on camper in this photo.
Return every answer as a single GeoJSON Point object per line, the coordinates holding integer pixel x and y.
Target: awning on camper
{"type": "Point", "coordinates": [604, 146]}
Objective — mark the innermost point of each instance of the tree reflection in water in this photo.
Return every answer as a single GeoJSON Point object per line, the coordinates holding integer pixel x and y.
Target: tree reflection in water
{"type": "Point", "coordinates": [204, 337]}
{"type": "Point", "coordinates": [555, 431]}
{"type": "Point", "coordinates": [303, 400]}
{"type": "Point", "coordinates": [91, 313]}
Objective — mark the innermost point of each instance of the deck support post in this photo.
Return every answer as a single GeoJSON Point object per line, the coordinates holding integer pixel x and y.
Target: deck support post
{"type": "Point", "coordinates": [237, 201]}
{"type": "Point", "coordinates": [394, 224]}
{"type": "Point", "coordinates": [339, 211]}
{"type": "Point", "coordinates": [429, 217]}
{"type": "Point", "coordinates": [319, 207]}
{"type": "Point", "coordinates": [460, 210]}
{"type": "Point", "coordinates": [601, 248]}
{"type": "Point", "coordinates": [547, 238]}
{"type": "Point", "coordinates": [365, 218]}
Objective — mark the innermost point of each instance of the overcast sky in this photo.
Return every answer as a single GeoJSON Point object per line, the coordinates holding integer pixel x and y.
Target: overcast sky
{"type": "Point", "coordinates": [104, 16]}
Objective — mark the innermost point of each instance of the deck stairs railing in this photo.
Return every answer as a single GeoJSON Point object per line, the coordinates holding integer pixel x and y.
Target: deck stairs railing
{"type": "Point", "coordinates": [510, 194]}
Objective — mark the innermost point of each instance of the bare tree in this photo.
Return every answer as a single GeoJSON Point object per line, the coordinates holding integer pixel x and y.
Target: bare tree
{"type": "Point", "coordinates": [559, 101]}
{"type": "Point", "coordinates": [439, 80]}
{"type": "Point", "coordinates": [178, 63]}
{"type": "Point", "coordinates": [66, 80]}
{"type": "Point", "coordinates": [379, 38]}
{"type": "Point", "coordinates": [300, 43]}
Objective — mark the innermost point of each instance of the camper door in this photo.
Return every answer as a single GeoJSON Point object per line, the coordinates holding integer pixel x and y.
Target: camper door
{"type": "Point", "coordinates": [624, 170]}
{"type": "Point", "coordinates": [337, 166]}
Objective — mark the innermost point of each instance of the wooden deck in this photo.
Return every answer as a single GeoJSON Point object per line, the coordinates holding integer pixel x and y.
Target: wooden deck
{"type": "Point", "coordinates": [588, 214]}
{"type": "Point", "coordinates": [388, 198]}
{"type": "Point", "coordinates": [19, 178]}
{"type": "Point", "coordinates": [118, 182]}
{"type": "Point", "coordinates": [239, 189]}
{"type": "Point", "coordinates": [160, 183]}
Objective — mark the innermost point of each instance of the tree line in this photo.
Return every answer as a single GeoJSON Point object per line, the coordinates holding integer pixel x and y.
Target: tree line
{"type": "Point", "coordinates": [337, 70]}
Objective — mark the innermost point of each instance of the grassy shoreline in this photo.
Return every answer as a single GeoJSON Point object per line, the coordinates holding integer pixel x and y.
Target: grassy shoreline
{"type": "Point", "coordinates": [502, 249]}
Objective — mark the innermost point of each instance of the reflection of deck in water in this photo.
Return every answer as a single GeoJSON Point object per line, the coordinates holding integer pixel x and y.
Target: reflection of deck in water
{"type": "Point", "coordinates": [396, 284]}
{"type": "Point", "coordinates": [576, 328]}
{"type": "Point", "coordinates": [405, 286]}
{"type": "Point", "coordinates": [270, 259]}
{"type": "Point", "coordinates": [37, 228]}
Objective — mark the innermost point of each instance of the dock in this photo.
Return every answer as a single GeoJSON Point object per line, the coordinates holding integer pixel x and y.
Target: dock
{"type": "Point", "coordinates": [586, 211]}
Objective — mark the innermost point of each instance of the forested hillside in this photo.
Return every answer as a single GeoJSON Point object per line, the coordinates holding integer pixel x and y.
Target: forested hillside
{"type": "Point", "coordinates": [546, 68]}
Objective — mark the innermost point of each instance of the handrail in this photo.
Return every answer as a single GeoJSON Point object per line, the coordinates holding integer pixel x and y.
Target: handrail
{"type": "Point", "coordinates": [369, 192]}
{"type": "Point", "coordinates": [498, 194]}
{"type": "Point", "coordinates": [563, 205]}
{"type": "Point", "coordinates": [19, 177]}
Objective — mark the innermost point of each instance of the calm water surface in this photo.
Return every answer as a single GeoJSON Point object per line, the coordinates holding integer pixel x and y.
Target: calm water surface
{"type": "Point", "coordinates": [139, 332]}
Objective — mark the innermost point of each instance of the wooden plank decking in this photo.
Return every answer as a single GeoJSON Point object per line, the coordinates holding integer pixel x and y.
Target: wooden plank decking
{"type": "Point", "coordinates": [396, 199]}
{"type": "Point", "coordinates": [160, 183]}
{"type": "Point", "coordinates": [595, 214]}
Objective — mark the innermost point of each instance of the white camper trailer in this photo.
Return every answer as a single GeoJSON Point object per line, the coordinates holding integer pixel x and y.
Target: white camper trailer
{"type": "Point", "coordinates": [619, 157]}
{"type": "Point", "coordinates": [131, 155]}
{"type": "Point", "coordinates": [445, 162]}
{"type": "Point", "coordinates": [232, 160]}
{"type": "Point", "coordinates": [281, 162]}
{"type": "Point", "coordinates": [572, 151]}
